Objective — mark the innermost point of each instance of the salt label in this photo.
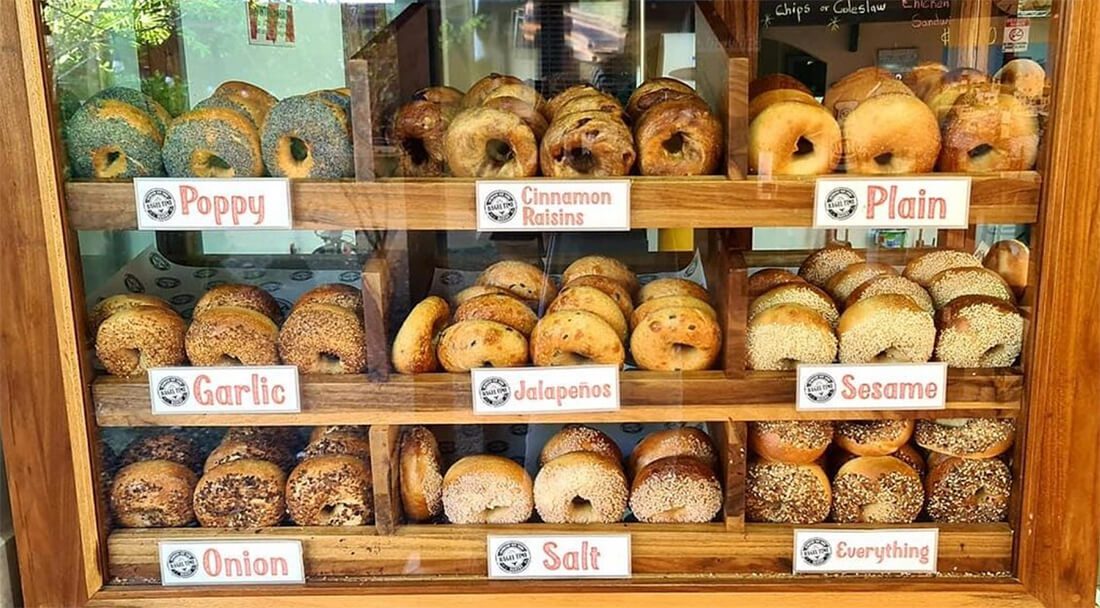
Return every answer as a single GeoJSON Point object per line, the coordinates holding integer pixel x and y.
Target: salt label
{"type": "Point", "coordinates": [565, 556]}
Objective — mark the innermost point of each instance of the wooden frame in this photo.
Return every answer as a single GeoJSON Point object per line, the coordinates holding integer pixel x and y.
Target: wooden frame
{"type": "Point", "coordinates": [52, 477]}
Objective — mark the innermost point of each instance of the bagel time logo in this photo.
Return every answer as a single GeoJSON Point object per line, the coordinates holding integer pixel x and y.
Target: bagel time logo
{"type": "Point", "coordinates": [494, 391]}
{"type": "Point", "coordinates": [182, 563]}
{"type": "Point", "coordinates": [172, 391]}
{"type": "Point", "coordinates": [841, 203]}
{"type": "Point", "coordinates": [500, 206]}
{"type": "Point", "coordinates": [159, 204]}
{"type": "Point", "coordinates": [820, 388]}
{"type": "Point", "coordinates": [815, 551]}
{"type": "Point", "coordinates": [513, 557]}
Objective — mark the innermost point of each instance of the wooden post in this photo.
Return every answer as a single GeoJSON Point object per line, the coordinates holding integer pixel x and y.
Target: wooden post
{"type": "Point", "coordinates": [722, 79]}
{"type": "Point", "coordinates": [377, 294]}
{"type": "Point", "coordinates": [970, 34]}
{"type": "Point", "coordinates": [385, 446]}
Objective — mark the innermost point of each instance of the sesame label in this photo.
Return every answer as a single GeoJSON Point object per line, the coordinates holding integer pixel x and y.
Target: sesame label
{"type": "Point", "coordinates": [224, 390]}
{"type": "Point", "coordinates": [566, 556]}
{"type": "Point", "coordinates": [895, 202]}
{"type": "Point", "coordinates": [872, 386]}
{"type": "Point", "coordinates": [894, 550]}
{"type": "Point", "coordinates": [557, 205]}
{"type": "Point", "coordinates": [166, 203]}
{"type": "Point", "coordinates": [251, 562]}
{"type": "Point", "coordinates": [530, 390]}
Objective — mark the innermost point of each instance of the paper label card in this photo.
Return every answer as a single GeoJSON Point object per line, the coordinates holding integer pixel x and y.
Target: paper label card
{"type": "Point", "coordinates": [528, 390]}
{"type": "Point", "coordinates": [892, 202]}
{"type": "Point", "coordinates": [553, 205]}
{"type": "Point", "coordinates": [224, 390]}
{"type": "Point", "coordinates": [230, 562]}
{"type": "Point", "coordinates": [897, 550]}
{"type": "Point", "coordinates": [872, 386]}
{"type": "Point", "coordinates": [168, 203]}
{"type": "Point", "coordinates": [566, 556]}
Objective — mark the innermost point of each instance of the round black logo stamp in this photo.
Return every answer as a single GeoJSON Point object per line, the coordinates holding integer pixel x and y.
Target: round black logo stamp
{"type": "Point", "coordinates": [159, 204]}
{"type": "Point", "coordinates": [182, 563]}
{"type": "Point", "coordinates": [500, 206]}
{"type": "Point", "coordinates": [816, 551]}
{"type": "Point", "coordinates": [451, 277]}
{"type": "Point", "coordinates": [820, 388]}
{"type": "Point", "coordinates": [172, 391]}
{"type": "Point", "coordinates": [513, 557]}
{"type": "Point", "coordinates": [841, 203]}
{"type": "Point", "coordinates": [494, 391]}
{"type": "Point", "coordinates": [133, 284]}
{"type": "Point", "coordinates": [167, 282]}
{"type": "Point", "coordinates": [158, 261]}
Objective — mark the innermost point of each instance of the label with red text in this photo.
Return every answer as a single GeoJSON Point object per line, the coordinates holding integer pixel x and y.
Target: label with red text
{"type": "Point", "coordinates": [224, 390]}
{"type": "Point", "coordinates": [230, 562]}
{"type": "Point", "coordinates": [168, 203]}
{"type": "Point", "coordinates": [553, 205]}
{"type": "Point", "coordinates": [530, 390]}
{"type": "Point", "coordinates": [898, 550]}
{"type": "Point", "coordinates": [872, 386]}
{"type": "Point", "coordinates": [588, 556]}
{"type": "Point", "coordinates": [892, 202]}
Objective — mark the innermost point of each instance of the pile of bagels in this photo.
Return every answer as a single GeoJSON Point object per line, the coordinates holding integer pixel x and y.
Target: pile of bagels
{"type": "Point", "coordinates": [957, 120]}
{"type": "Point", "coordinates": [600, 309]}
{"type": "Point", "coordinates": [945, 304]}
{"type": "Point", "coordinates": [955, 472]}
{"type": "Point", "coordinates": [504, 128]}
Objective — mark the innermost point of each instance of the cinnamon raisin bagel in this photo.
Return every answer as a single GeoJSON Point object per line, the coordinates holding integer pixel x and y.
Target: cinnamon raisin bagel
{"type": "Point", "coordinates": [821, 265]}
{"type": "Point", "coordinates": [575, 337]}
{"type": "Point", "coordinates": [764, 280]}
{"type": "Point", "coordinates": [236, 294]}
{"type": "Point", "coordinates": [592, 144]}
{"type": "Point", "coordinates": [581, 488]}
{"type": "Point", "coordinates": [985, 133]}
{"type": "Point", "coordinates": [324, 339]}
{"type": "Point", "coordinates": [477, 343]}
{"type": "Point", "coordinates": [888, 328]}
{"type": "Point", "coordinates": [602, 266]}
{"type": "Point", "coordinates": [241, 494]}
{"type": "Point", "coordinates": [596, 102]}
{"type": "Point", "coordinates": [490, 143]}
{"type": "Point", "coordinates": [500, 308]}
{"type": "Point", "coordinates": [794, 138]}
{"type": "Point", "coordinates": [678, 137]}
{"type": "Point", "coordinates": [891, 134]}
{"type": "Point", "coordinates": [443, 95]}
{"type": "Point", "coordinates": [891, 283]}
{"type": "Point", "coordinates": [132, 341]}
{"type": "Point", "coordinates": [421, 478]}
{"type": "Point", "coordinates": [526, 112]}
{"type": "Point", "coordinates": [480, 90]}
{"type": "Point", "coordinates": [330, 491]}
{"type": "Point", "coordinates": [979, 331]}
{"type": "Point", "coordinates": [568, 95]}
{"type": "Point", "coordinates": [676, 339]}
{"type": "Point", "coordinates": [781, 337]}
{"type": "Point", "coordinates": [579, 438]}
{"type": "Point", "coordinates": [580, 297]}
{"type": "Point", "coordinates": [672, 286]}
{"type": "Point", "coordinates": [777, 492]}
{"type": "Point", "coordinates": [518, 91]}
{"type": "Point", "coordinates": [414, 346]}
{"type": "Point", "coordinates": [797, 293]}
{"type": "Point", "coordinates": [653, 92]}
{"type": "Point", "coordinates": [877, 489]}
{"type": "Point", "coordinates": [419, 129]}
{"type": "Point", "coordinates": [676, 489]}
{"type": "Point", "coordinates": [966, 437]}
{"type": "Point", "coordinates": [231, 335]}
{"type": "Point", "coordinates": [153, 494]}
{"type": "Point", "coordinates": [955, 282]}
{"type": "Point", "coordinates": [656, 304]}
{"type": "Point", "coordinates": [525, 281]}
{"type": "Point", "coordinates": [922, 268]}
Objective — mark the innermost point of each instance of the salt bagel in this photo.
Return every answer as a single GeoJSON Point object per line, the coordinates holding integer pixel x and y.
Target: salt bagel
{"type": "Point", "coordinates": [764, 280]}
{"type": "Point", "coordinates": [575, 337]}
{"type": "Point", "coordinates": [501, 308]}
{"type": "Point", "coordinates": [153, 494]}
{"type": "Point", "coordinates": [323, 339]}
{"type": "Point", "coordinates": [231, 335]}
{"type": "Point", "coordinates": [672, 287]}
{"type": "Point", "coordinates": [676, 489]}
{"type": "Point", "coordinates": [778, 492]}
{"type": "Point", "coordinates": [421, 478]}
{"type": "Point", "coordinates": [212, 142]}
{"type": "Point", "coordinates": [614, 289]}
{"type": "Point", "coordinates": [241, 494]}
{"type": "Point", "coordinates": [676, 339]}
{"type": "Point", "coordinates": [419, 129]}
{"type": "Point", "coordinates": [657, 304]}
{"type": "Point", "coordinates": [782, 336]}
{"type": "Point", "coordinates": [797, 293]}
{"type": "Point", "coordinates": [842, 284]}
{"type": "Point", "coordinates": [581, 488]}
{"type": "Point", "coordinates": [678, 137]}
{"type": "Point", "coordinates": [525, 281]}
{"type": "Point", "coordinates": [966, 437]}
{"type": "Point", "coordinates": [477, 343]}
{"type": "Point", "coordinates": [922, 268]}
{"type": "Point", "coordinates": [985, 133]}
{"type": "Point", "coordinates": [684, 441]}
{"type": "Point", "coordinates": [579, 438]}
{"type": "Point", "coordinates": [330, 491]}
{"type": "Point", "coordinates": [490, 143]}
{"type": "Point", "coordinates": [891, 134]}
{"type": "Point", "coordinates": [580, 297]}
{"type": "Point", "coordinates": [601, 266]}
{"type": "Point", "coordinates": [487, 489]}
{"type": "Point", "coordinates": [955, 282]}
{"type": "Point", "coordinates": [872, 437]}
{"type": "Point", "coordinates": [132, 341]}
{"type": "Point", "coordinates": [117, 303]}
{"type": "Point", "coordinates": [653, 92]}
{"type": "Point", "coordinates": [414, 346]}
{"type": "Point", "coordinates": [794, 138]}
{"type": "Point", "coordinates": [772, 82]}
{"type": "Point", "coordinates": [887, 283]}
{"type": "Point", "coordinates": [236, 294]}
{"type": "Point", "coordinates": [821, 265]}
{"type": "Point", "coordinates": [979, 331]}
{"type": "Point", "coordinates": [587, 144]}
{"type": "Point", "coordinates": [885, 328]}
{"type": "Point", "coordinates": [877, 489]}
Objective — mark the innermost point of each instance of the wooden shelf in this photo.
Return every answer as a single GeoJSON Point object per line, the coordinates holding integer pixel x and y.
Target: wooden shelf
{"type": "Point", "coordinates": [646, 397]}
{"type": "Point", "coordinates": [664, 551]}
{"type": "Point", "coordinates": [702, 202]}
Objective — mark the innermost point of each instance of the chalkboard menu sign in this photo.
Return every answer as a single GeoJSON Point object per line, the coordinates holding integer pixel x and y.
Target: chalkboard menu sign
{"type": "Point", "coordinates": [846, 12]}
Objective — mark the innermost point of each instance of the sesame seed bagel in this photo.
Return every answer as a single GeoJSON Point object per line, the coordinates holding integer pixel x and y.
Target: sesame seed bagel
{"type": "Point", "coordinates": [791, 441]}
{"type": "Point", "coordinates": [575, 337]}
{"type": "Point", "coordinates": [821, 265]}
{"type": "Point", "coordinates": [877, 489]}
{"type": "Point", "coordinates": [490, 143]}
{"type": "Point", "coordinates": [330, 491]}
{"type": "Point", "coordinates": [676, 489]}
{"type": "Point", "coordinates": [657, 304]}
{"type": "Point", "coordinates": [1010, 259]}
{"type": "Point", "coordinates": [442, 95]}
{"type": "Point", "coordinates": [587, 144]}
{"type": "Point", "coordinates": [525, 281]}
{"type": "Point", "coordinates": [235, 294]}
{"type": "Point", "coordinates": [966, 437]}
{"type": "Point", "coordinates": [580, 297]}
{"type": "Point", "coordinates": [910, 456]}
{"type": "Point", "coordinates": [579, 438]}
{"type": "Point", "coordinates": [253, 100]}
{"type": "Point", "coordinates": [771, 82]}
{"type": "Point", "coordinates": [842, 284]}
{"type": "Point", "coordinates": [307, 136]}
{"type": "Point", "coordinates": [419, 129]}
{"type": "Point", "coordinates": [581, 488]}
{"type": "Point", "coordinates": [336, 294]}
{"type": "Point", "coordinates": [987, 132]}
{"type": "Point", "coordinates": [116, 303]}
{"type": "Point", "coordinates": [526, 112]}
{"type": "Point", "coordinates": [601, 266]}
{"type": "Point", "coordinates": [768, 278]}
{"type": "Point", "coordinates": [131, 341]}
{"type": "Point", "coordinates": [678, 137]}
{"type": "Point", "coordinates": [339, 443]}
{"type": "Point", "coordinates": [872, 437]}
{"type": "Point", "coordinates": [684, 441]}
{"type": "Point", "coordinates": [241, 494]}
{"type": "Point", "coordinates": [504, 309]}
{"type": "Point", "coordinates": [109, 139]}
{"type": "Point", "coordinates": [414, 346]}
{"type": "Point", "coordinates": [611, 287]}
{"type": "Point", "coordinates": [979, 331]}
{"type": "Point", "coordinates": [957, 282]}
{"type": "Point", "coordinates": [797, 293]}
{"type": "Point", "coordinates": [421, 478]}
{"type": "Point", "coordinates": [485, 489]}
{"type": "Point", "coordinates": [777, 492]}
{"type": "Point", "coordinates": [474, 291]}
{"type": "Point", "coordinates": [212, 142]}
{"type": "Point", "coordinates": [230, 335]}
{"type": "Point", "coordinates": [324, 339]}
{"type": "Point", "coordinates": [910, 145]}
{"type": "Point", "coordinates": [478, 343]}
{"type": "Point", "coordinates": [785, 335]}
{"type": "Point", "coordinates": [793, 137]}
{"type": "Point", "coordinates": [153, 494]}
{"type": "Point", "coordinates": [676, 339]}
{"type": "Point", "coordinates": [255, 448]}
{"type": "Point", "coordinates": [480, 90]}
{"type": "Point", "coordinates": [885, 328]}
{"type": "Point", "coordinates": [886, 283]}
{"type": "Point", "coordinates": [162, 446]}
{"type": "Point", "coordinates": [672, 286]}
{"type": "Point", "coordinates": [922, 268]}
{"type": "Point", "coordinates": [968, 491]}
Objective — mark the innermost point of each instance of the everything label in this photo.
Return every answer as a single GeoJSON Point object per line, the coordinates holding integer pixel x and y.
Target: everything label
{"type": "Point", "coordinates": [902, 550]}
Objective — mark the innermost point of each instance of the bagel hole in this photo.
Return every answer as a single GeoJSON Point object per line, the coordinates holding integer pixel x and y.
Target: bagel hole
{"type": "Point", "coordinates": [993, 352]}
{"type": "Point", "coordinates": [109, 162]}
{"type": "Point", "coordinates": [885, 158]}
{"type": "Point", "coordinates": [979, 150]}
{"type": "Point", "coordinates": [788, 363]}
{"type": "Point", "coordinates": [208, 164]}
{"type": "Point", "coordinates": [890, 355]}
{"type": "Point", "coordinates": [228, 361]}
{"type": "Point", "coordinates": [498, 151]}
{"type": "Point", "coordinates": [581, 159]}
{"type": "Point", "coordinates": [582, 508]}
{"type": "Point", "coordinates": [674, 144]}
{"type": "Point", "coordinates": [328, 363]}
{"type": "Point", "coordinates": [803, 147]}
{"type": "Point", "coordinates": [877, 511]}
{"type": "Point", "coordinates": [492, 513]}
{"type": "Point", "coordinates": [416, 150]}
{"type": "Point", "coordinates": [299, 150]}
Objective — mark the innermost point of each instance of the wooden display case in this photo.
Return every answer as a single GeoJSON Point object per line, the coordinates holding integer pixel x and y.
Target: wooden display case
{"type": "Point", "coordinates": [53, 402]}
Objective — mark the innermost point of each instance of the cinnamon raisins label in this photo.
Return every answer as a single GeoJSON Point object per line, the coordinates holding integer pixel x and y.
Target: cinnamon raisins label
{"type": "Point", "coordinates": [553, 205]}
{"type": "Point", "coordinates": [872, 386]}
{"type": "Point", "coordinates": [892, 202]}
{"type": "Point", "coordinates": [896, 550]}
{"type": "Point", "coordinates": [165, 203]}
{"type": "Point", "coordinates": [529, 390]}
{"type": "Point", "coordinates": [222, 562]}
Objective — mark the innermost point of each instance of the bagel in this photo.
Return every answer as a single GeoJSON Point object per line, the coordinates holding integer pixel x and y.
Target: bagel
{"type": "Point", "coordinates": [985, 133]}
{"type": "Point", "coordinates": [821, 265]}
{"type": "Point", "coordinates": [525, 111]}
{"type": "Point", "coordinates": [791, 441]}
{"type": "Point", "coordinates": [579, 438]}
{"type": "Point", "coordinates": [212, 142]}
{"type": "Point", "coordinates": [966, 437]}
{"type": "Point", "coordinates": [771, 82]}
{"type": "Point", "coordinates": [525, 281]}
{"type": "Point", "coordinates": [575, 337]}
{"type": "Point", "coordinates": [490, 143]}
{"type": "Point", "coordinates": [842, 284]}
{"type": "Point", "coordinates": [595, 102]}
{"type": "Point", "coordinates": [420, 479]}
{"type": "Point", "coordinates": [681, 442]}
{"type": "Point", "coordinates": [248, 98]}
{"type": "Point", "coordinates": [853, 87]}
{"type": "Point", "coordinates": [653, 92]}
{"type": "Point", "coordinates": [843, 98]}
{"type": "Point", "coordinates": [676, 489]}
{"type": "Point", "coordinates": [968, 491]}
{"type": "Point", "coordinates": [419, 128]}
{"type": "Point", "coordinates": [1023, 78]}
{"type": "Point", "coordinates": [590, 144]}
{"type": "Point", "coordinates": [480, 90]}
{"type": "Point", "coordinates": [676, 339]}
{"type": "Point", "coordinates": [794, 138]}
{"type": "Point", "coordinates": [767, 99]}
{"type": "Point", "coordinates": [614, 289]}
{"type": "Point", "coordinates": [764, 280]}
{"type": "Point", "coordinates": [254, 448]}
{"type": "Point", "coordinates": [239, 295]}
{"type": "Point", "coordinates": [581, 488]}
{"type": "Point", "coordinates": [324, 339]}
{"type": "Point", "coordinates": [308, 136]}
{"type": "Point", "coordinates": [518, 91]}
{"type": "Point", "coordinates": [153, 494]}
{"type": "Point", "coordinates": [672, 287]}
{"type": "Point", "coordinates": [777, 492]}
{"type": "Point", "coordinates": [476, 343]}
{"type": "Point", "coordinates": [678, 137]}
{"type": "Point", "coordinates": [601, 266]}
{"type": "Point", "coordinates": [877, 489]}
{"type": "Point", "coordinates": [443, 95]}
{"type": "Point", "coordinates": [110, 138]}
{"type": "Point", "coordinates": [922, 78]}
{"type": "Point", "coordinates": [319, 432]}
{"type": "Point", "coordinates": [941, 97]}
{"type": "Point", "coordinates": [132, 341]}
{"type": "Point", "coordinates": [656, 304]}
{"type": "Point", "coordinates": [486, 489]}
{"type": "Point", "coordinates": [782, 336]}
{"type": "Point", "coordinates": [356, 445]}
{"type": "Point", "coordinates": [1010, 259]}
{"type": "Point", "coordinates": [336, 294]}
{"type": "Point", "coordinates": [922, 268]}
{"type": "Point", "coordinates": [971, 281]}
{"type": "Point", "coordinates": [500, 308]}
{"type": "Point", "coordinates": [979, 331]}
{"type": "Point", "coordinates": [580, 297]}
{"type": "Point", "coordinates": [561, 99]}
{"type": "Point", "coordinates": [117, 303]}
{"type": "Point", "coordinates": [330, 491]}
{"type": "Point", "coordinates": [241, 494]}
{"type": "Point", "coordinates": [885, 329]}
{"type": "Point", "coordinates": [891, 283]}
{"type": "Point", "coordinates": [872, 437]}
{"type": "Point", "coordinates": [162, 446]}
{"type": "Point", "coordinates": [230, 335]}
{"type": "Point", "coordinates": [414, 346]}
{"type": "Point", "coordinates": [161, 117]}
{"type": "Point", "coordinates": [474, 291]}
{"type": "Point", "coordinates": [891, 134]}
{"type": "Point", "coordinates": [797, 293]}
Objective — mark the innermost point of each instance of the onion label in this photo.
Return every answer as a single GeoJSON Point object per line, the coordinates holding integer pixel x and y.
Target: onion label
{"type": "Point", "coordinates": [896, 550]}
{"type": "Point", "coordinates": [532, 390]}
{"type": "Point", "coordinates": [553, 205]}
{"type": "Point", "coordinates": [872, 386]}
{"type": "Point", "coordinates": [166, 203]}
{"type": "Point", "coordinates": [224, 390]}
{"type": "Point", "coordinates": [893, 202]}
{"type": "Point", "coordinates": [565, 556]}
{"type": "Point", "coordinates": [230, 562]}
